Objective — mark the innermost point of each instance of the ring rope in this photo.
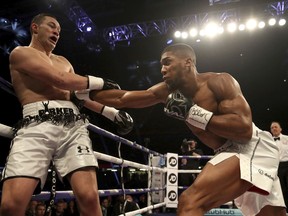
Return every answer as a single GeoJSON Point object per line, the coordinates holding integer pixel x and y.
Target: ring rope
{"type": "Point", "coordinates": [121, 139]}
{"type": "Point", "coordinates": [189, 171]}
{"type": "Point", "coordinates": [148, 208]}
{"type": "Point", "coordinates": [104, 157]}
{"type": "Point", "coordinates": [6, 131]}
{"type": "Point", "coordinates": [102, 193]}
{"type": "Point", "coordinates": [196, 157]}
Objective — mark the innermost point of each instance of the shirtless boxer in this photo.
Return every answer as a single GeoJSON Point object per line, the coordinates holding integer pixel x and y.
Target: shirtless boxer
{"type": "Point", "coordinates": [213, 107]}
{"type": "Point", "coordinates": [52, 128]}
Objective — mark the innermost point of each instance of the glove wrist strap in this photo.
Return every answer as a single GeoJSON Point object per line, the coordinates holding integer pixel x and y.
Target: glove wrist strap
{"type": "Point", "coordinates": [199, 117]}
{"type": "Point", "coordinates": [95, 83]}
{"type": "Point", "coordinates": [109, 112]}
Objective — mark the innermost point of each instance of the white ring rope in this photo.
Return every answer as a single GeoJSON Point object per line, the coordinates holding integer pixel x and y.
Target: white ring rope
{"type": "Point", "coordinates": [101, 156]}
{"type": "Point", "coordinates": [189, 171]}
{"type": "Point", "coordinates": [6, 131]}
{"type": "Point", "coordinates": [44, 195]}
{"type": "Point", "coordinates": [121, 139]}
{"type": "Point", "coordinates": [148, 208]}
{"type": "Point", "coordinates": [196, 157]}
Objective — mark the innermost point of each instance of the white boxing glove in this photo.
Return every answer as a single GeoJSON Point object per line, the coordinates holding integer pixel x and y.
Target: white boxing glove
{"type": "Point", "coordinates": [82, 94]}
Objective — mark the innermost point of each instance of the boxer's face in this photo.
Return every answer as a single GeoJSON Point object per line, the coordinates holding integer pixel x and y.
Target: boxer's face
{"type": "Point", "coordinates": [172, 70]}
{"type": "Point", "coordinates": [47, 32]}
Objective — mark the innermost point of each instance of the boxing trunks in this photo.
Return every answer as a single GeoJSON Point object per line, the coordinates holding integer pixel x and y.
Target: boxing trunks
{"type": "Point", "coordinates": [259, 160]}
{"type": "Point", "coordinates": [49, 131]}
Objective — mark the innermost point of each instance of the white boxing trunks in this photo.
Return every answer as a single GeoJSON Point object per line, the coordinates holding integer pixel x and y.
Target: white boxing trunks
{"type": "Point", "coordinates": [259, 160]}
{"type": "Point", "coordinates": [66, 142]}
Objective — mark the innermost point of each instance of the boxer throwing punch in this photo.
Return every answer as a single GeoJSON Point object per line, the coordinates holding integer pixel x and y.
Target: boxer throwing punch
{"type": "Point", "coordinates": [214, 108]}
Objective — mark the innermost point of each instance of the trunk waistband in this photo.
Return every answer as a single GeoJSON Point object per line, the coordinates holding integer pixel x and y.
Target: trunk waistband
{"type": "Point", "coordinates": [57, 112]}
{"type": "Point", "coordinates": [52, 107]}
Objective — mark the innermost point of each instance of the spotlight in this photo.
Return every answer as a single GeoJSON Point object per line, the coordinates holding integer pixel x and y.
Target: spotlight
{"type": "Point", "coordinates": [169, 41]}
{"type": "Point", "coordinates": [272, 21]}
{"type": "Point", "coordinates": [193, 32]}
{"type": "Point", "coordinates": [177, 34]}
{"type": "Point", "coordinates": [241, 27]}
{"type": "Point", "coordinates": [282, 22]}
{"type": "Point", "coordinates": [261, 24]}
{"type": "Point", "coordinates": [231, 27]}
{"type": "Point", "coordinates": [184, 35]}
{"type": "Point", "coordinates": [251, 24]}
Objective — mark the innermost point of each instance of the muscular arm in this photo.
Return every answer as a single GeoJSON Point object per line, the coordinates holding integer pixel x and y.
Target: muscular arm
{"type": "Point", "coordinates": [38, 65]}
{"type": "Point", "coordinates": [233, 119]}
{"type": "Point", "coordinates": [132, 99]}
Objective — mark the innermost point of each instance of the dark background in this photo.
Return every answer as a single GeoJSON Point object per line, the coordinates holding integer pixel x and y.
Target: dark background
{"type": "Point", "coordinates": [258, 60]}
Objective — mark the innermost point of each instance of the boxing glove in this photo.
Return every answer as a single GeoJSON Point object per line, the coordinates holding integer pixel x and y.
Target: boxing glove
{"type": "Point", "coordinates": [97, 83]}
{"type": "Point", "coordinates": [75, 99]}
{"type": "Point", "coordinates": [180, 107]}
{"type": "Point", "coordinates": [123, 121]}
{"type": "Point", "coordinates": [81, 95]}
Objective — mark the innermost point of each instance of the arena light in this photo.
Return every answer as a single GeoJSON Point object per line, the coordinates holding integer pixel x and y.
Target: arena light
{"type": "Point", "coordinates": [241, 27]}
{"type": "Point", "coordinates": [184, 35]}
{"type": "Point", "coordinates": [211, 29]}
{"type": "Point", "coordinates": [261, 24]}
{"type": "Point", "coordinates": [13, 33]}
{"type": "Point", "coordinates": [169, 41]}
{"type": "Point", "coordinates": [88, 28]}
{"type": "Point", "coordinates": [220, 30]}
{"type": "Point", "coordinates": [193, 32]}
{"type": "Point", "coordinates": [177, 34]}
{"type": "Point", "coordinates": [202, 33]}
{"type": "Point", "coordinates": [282, 22]}
{"type": "Point", "coordinates": [272, 21]}
{"type": "Point", "coordinates": [251, 24]}
{"type": "Point", "coordinates": [231, 27]}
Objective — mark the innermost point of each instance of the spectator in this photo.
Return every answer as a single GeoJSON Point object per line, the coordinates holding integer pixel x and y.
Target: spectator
{"type": "Point", "coordinates": [124, 205]}
{"type": "Point", "coordinates": [105, 206]}
{"type": "Point", "coordinates": [189, 147]}
{"type": "Point", "coordinates": [142, 201]}
{"type": "Point", "coordinates": [30, 211]}
{"type": "Point", "coordinates": [72, 209]}
{"type": "Point", "coordinates": [59, 208]}
{"type": "Point", "coordinates": [40, 209]}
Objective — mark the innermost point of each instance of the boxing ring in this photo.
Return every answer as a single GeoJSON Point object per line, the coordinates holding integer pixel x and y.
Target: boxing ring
{"type": "Point", "coordinates": [163, 188]}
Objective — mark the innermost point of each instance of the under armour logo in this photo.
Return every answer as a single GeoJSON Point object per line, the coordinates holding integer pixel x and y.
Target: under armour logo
{"type": "Point", "coordinates": [83, 149]}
